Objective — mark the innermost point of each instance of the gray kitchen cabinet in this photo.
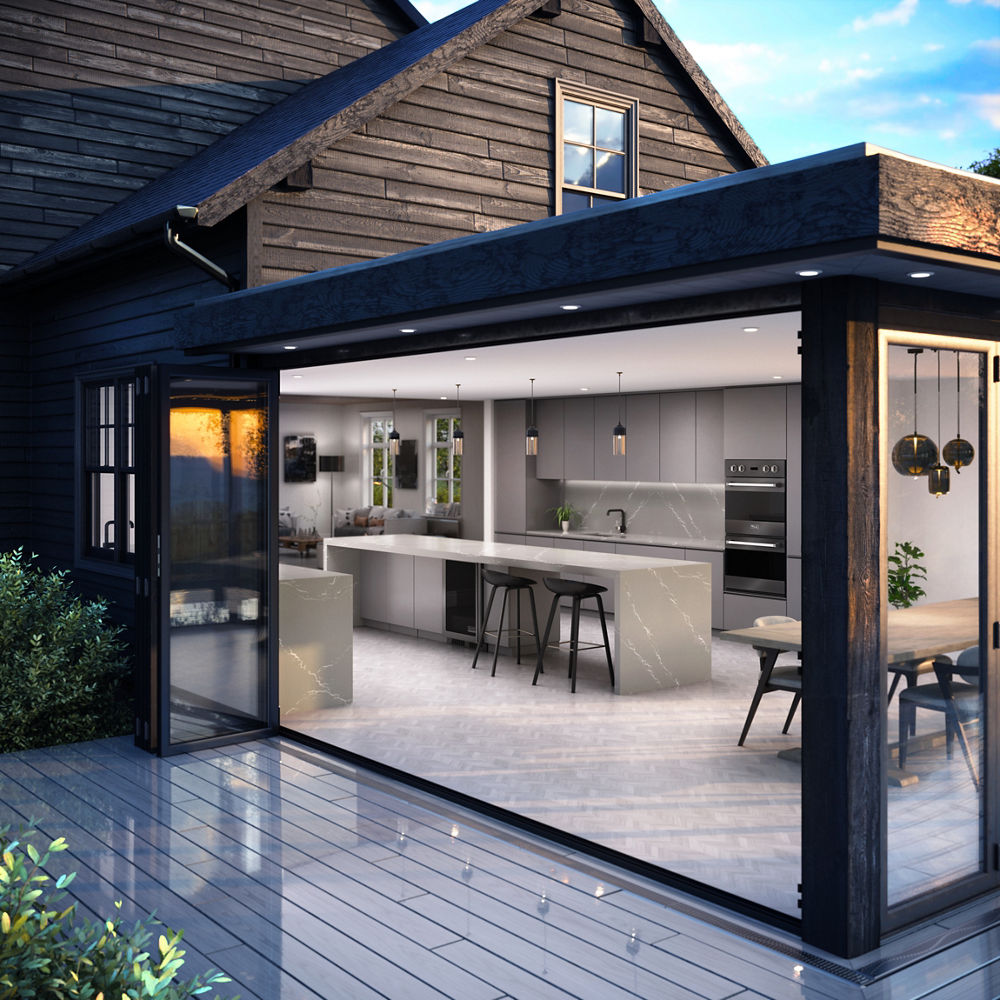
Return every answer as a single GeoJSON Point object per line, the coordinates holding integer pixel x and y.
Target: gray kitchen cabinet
{"type": "Point", "coordinates": [607, 411]}
{"type": "Point", "coordinates": [578, 438]}
{"type": "Point", "coordinates": [709, 449]}
{"type": "Point", "coordinates": [642, 458]}
{"type": "Point", "coordinates": [715, 558]}
{"type": "Point", "coordinates": [793, 475]}
{"type": "Point", "coordinates": [678, 437]}
{"type": "Point", "coordinates": [510, 473]}
{"type": "Point", "coordinates": [508, 539]}
{"type": "Point", "coordinates": [549, 421]}
{"type": "Point", "coordinates": [793, 587]}
{"type": "Point", "coordinates": [399, 591]}
{"type": "Point", "coordinates": [655, 551]}
{"type": "Point", "coordinates": [428, 595]}
{"type": "Point", "coordinates": [740, 610]}
{"type": "Point", "coordinates": [607, 599]}
{"type": "Point", "coordinates": [373, 572]}
{"type": "Point", "coordinates": [754, 424]}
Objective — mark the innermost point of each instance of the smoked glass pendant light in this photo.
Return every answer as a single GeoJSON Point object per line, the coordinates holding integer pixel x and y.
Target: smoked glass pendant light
{"type": "Point", "coordinates": [958, 452]}
{"type": "Point", "coordinates": [915, 453]}
{"type": "Point", "coordinates": [457, 436]}
{"type": "Point", "coordinates": [938, 478]}
{"type": "Point", "coordinates": [618, 434]}
{"type": "Point", "coordinates": [531, 434]}
{"type": "Point", "coordinates": [394, 434]}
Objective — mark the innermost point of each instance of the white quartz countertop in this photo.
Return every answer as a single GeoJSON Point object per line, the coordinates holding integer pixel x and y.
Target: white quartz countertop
{"type": "Point", "coordinates": [630, 538]}
{"type": "Point", "coordinates": [503, 554]}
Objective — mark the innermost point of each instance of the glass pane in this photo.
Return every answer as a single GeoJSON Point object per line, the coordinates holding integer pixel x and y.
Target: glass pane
{"type": "Point", "coordinates": [218, 537]}
{"type": "Point", "coordinates": [441, 462]}
{"type": "Point", "coordinates": [573, 201]}
{"type": "Point", "coordinates": [933, 723]}
{"type": "Point", "coordinates": [442, 429]}
{"type": "Point", "coordinates": [611, 172]}
{"type": "Point", "coordinates": [378, 431]}
{"type": "Point", "coordinates": [130, 507]}
{"type": "Point", "coordinates": [578, 165]}
{"type": "Point", "coordinates": [101, 512]}
{"type": "Point", "coordinates": [578, 122]}
{"type": "Point", "coordinates": [609, 129]}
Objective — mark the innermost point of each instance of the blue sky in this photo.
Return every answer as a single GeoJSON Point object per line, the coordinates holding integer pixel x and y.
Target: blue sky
{"type": "Point", "coordinates": [918, 76]}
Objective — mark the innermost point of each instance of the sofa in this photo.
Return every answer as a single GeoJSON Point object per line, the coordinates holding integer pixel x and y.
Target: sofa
{"type": "Point", "coordinates": [378, 521]}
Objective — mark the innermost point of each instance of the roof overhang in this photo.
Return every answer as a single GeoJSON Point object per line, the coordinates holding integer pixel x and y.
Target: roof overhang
{"type": "Point", "coordinates": [732, 243]}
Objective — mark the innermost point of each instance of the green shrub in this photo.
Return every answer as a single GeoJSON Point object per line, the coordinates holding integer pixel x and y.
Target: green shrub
{"type": "Point", "coordinates": [63, 671]}
{"type": "Point", "coordinates": [47, 953]}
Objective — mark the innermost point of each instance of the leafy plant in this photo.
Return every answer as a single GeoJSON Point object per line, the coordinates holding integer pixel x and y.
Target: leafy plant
{"type": "Point", "coordinates": [904, 572]}
{"type": "Point", "coordinates": [565, 512]}
{"type": "Point", "coordinates": [63, 672]}
{"type": "Point", "coordinates": [46, 952]}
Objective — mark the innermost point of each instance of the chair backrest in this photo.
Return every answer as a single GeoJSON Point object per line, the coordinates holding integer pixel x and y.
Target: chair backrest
{"type": "Point", "coordinates": [772, 620]}
{"type": "Point", "coordinates": [967, 665]}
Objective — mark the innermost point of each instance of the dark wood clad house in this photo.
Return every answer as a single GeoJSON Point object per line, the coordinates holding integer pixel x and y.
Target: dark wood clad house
{"type": "Point", "coordinates": [199, 187]}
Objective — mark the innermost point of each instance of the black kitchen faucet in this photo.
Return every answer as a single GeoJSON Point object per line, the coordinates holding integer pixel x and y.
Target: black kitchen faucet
{"type": "Point", "coordinates": [621, 520]}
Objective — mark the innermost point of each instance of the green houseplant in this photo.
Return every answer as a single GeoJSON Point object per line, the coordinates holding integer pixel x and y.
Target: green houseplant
{"type": "Point", "coordinates": [904, 572]}
{"type": "Point", "coordinates": [565, 514]}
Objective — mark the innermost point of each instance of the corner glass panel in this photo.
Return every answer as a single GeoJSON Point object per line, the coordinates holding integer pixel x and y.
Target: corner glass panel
{"type": "Point", "coordinates": [935, 475]}
{"type": "Point", "coordinates": [217, 531]}
{"type": "Point", "coordinates": [578, 122]}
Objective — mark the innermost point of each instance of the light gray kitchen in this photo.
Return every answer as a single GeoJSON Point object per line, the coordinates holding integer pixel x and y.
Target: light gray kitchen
{"type": "Point", "coordinates": [543, 612]}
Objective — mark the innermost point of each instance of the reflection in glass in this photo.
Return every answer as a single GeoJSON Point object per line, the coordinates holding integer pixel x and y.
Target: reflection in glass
{"type": "Point", "coordinates": [935, 800]}
{"type": "Point", "coordinates": [578, 122]}
{"type": "Point", "coordinates": [609, 129]}
{"type": "Point", "coordinates": [574, 201]}
{"type": "Point", "coordinates": [218, 532]}
{"type": "Point", "coordinates": [578, 165]}
{"type": "Point", "coordinates": [611, 172]}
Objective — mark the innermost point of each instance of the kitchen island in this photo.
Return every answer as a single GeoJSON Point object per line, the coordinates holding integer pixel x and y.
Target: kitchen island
{"type": "Point", "coordinates": [662, 625]}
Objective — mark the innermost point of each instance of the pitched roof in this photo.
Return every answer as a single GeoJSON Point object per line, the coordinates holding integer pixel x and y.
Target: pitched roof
{"type": "Point", "coordinates": [232, 171]}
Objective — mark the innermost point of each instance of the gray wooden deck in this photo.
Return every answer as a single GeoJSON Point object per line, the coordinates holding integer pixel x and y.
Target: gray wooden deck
{"type": "Point", "coordinates": [303, 877]}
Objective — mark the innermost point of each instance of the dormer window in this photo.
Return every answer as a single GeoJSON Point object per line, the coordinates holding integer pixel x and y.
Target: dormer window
{"type": "Point", "coordinates": [596, 158]}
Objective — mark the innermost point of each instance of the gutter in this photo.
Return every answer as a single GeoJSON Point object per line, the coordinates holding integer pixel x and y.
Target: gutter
{"type": "Point", "coordinates": [186, 215]}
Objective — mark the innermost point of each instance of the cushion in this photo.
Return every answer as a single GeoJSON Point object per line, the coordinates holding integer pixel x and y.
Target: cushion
{"type": "Point", "coordinates": [342, 518]}
{"type": "Point", "coordinates": [360, 521]}
{"type": "Point", "coordinates": [376, 522]}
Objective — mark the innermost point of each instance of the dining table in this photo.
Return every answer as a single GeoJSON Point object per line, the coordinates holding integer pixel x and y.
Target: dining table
{"type": "Point", "coordinates": [914, 636]}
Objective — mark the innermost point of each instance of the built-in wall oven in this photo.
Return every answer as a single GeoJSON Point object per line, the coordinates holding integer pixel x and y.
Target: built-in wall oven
{"type": "Point", "coordinates": [754, 557]}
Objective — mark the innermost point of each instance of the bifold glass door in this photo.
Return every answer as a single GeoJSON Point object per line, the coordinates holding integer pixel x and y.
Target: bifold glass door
{"type": "Point", "coordinates": [217, 592]}
{"type": "Point", "coordinates": [939, 498]}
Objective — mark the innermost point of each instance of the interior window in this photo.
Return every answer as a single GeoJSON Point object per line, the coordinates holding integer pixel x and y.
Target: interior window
{"type": "Point", "coordinates": [445, 465]}
{"type": "Point", "coordinates": [378, 462]}
{"type": "Point", "coordinates": [108, 469]}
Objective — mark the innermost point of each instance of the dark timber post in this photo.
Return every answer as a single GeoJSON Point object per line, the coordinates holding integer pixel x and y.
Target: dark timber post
{"type": "Point", "coordinates": [842, 678]}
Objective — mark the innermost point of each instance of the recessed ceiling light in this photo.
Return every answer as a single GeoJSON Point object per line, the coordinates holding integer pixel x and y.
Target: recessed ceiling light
{"type": "Point", "coordinates": [296, 376]}
{"type": "Point", "coordinates": [471, 357]}
{"type": "Point", "coordinates": [569, 309]}
{"type": "Point", "coordinates": [584, 388]}
{"type": "Point", "coordinates": [751, 329]}
{"type": "Point", "coordinates": [808, 273]}
{"type": "Point", "coordinates": [921, 274]}
{"type": "Point", "coordinates": [407, 329]}
{"type": "Point", "coordinates": [442, 397]}
{"type": "Point", "coordinates": [776, 376]}
{"type": "Point", "coordinates": [291, 347]}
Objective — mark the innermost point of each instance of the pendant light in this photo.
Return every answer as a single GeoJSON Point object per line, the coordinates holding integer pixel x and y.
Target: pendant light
{"type": "Point", "coordinates": [394, 434]}
{"type": "Point", "coordinates": [531, 434]}
{"type": "Point", "coordinates": [915, 453]}
{"type": "Point", "coordinates": [618, 434]}
{"type": "Point", "coordinates": [457, 437]}
{"type": "Point", "coordinates": [958, 452]}
{"type": "Point", "coordinates": [939, 478]}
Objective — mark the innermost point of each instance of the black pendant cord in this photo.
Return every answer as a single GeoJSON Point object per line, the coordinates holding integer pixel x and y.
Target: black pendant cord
{"type": "Point", "coordinates": [938, 353]}
{"type": "Point", "coordinates": [619, 398]}
{"type": "Point", "coordinates": [915, 394]}
{"type": "Point", "coordinates": [958, 397]}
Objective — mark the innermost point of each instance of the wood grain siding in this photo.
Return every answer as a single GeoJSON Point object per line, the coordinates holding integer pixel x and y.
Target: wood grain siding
{"type": "Point", "coordinates": [98, 98]}
{"type": "Point", "coordinates": [15, 427]}
{"type": "Point", "coordinates": [472, 150]}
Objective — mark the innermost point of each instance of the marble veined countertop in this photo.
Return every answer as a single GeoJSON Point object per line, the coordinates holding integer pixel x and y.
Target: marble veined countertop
{"type": "Point", "coordinates": [630, 538]}
{"type": "Point", "coordinates": [502, 553]}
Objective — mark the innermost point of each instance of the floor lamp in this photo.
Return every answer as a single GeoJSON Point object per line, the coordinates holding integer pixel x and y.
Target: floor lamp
{"type": "Point", "coordinates": [331, 463]}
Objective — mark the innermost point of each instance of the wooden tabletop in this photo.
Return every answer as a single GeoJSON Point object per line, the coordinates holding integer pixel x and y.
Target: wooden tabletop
{"type": "Point", "coordinates": [914, 633]}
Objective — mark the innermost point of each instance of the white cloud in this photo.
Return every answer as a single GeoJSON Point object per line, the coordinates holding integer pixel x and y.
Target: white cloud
{"type": "Point", "coordinates": [860, 73]}
{"type": "Point", "coordinates": [735, 65]}
{"type": "Point", "coordinates": [933, 47]}
{"type": "Point", "coordinates": [947, 134]}
{"type": "Point", "coordinates": [989, 44]}
{"type": "Point", "coordinates": [900, 14]}
{"type": "Point", "coordinates": [987, 106]}
{"type": "Point", "coordinates": [986, 3]}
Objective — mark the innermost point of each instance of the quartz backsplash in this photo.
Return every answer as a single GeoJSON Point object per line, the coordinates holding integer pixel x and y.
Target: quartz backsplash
{"type": "Point", "coordinates": [670, 510]}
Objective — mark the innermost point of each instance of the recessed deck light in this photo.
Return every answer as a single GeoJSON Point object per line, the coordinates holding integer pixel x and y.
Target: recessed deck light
{"type": "Point", "coordinates": [569, 308]}
{"type": "Point", "coordinates": [808, 273]}
{"type": "Point", "coordinates": [291, 347]}
{"type": "Point", "coordinates": [920, 274]}
{"type": "Point", "coordinates": [751, 329]}
{"type": "Point", "coordinates": [407, 329]}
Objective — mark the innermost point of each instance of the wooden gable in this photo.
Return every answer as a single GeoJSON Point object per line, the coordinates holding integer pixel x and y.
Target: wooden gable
{"type": "Point", "coordinates": [100, 98]}
{"type": "Point", "coordinates": [473, 149]}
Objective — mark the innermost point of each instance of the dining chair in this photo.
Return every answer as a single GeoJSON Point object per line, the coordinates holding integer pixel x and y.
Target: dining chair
{"type": "Point", "coordinates": [960, 702]}
{"type": "Point", "coordinates": [772, 677]}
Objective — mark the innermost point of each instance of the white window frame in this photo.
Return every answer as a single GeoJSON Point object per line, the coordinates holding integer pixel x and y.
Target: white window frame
{"type": "Point", "coordinates": [368, 449]}
{"type": "Point", "coordinates": [566, 90]}
{"type": "Point", "coordinates": [433, 446]}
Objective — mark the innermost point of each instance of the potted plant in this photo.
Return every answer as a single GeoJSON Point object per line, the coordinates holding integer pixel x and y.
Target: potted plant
{"type": "Point", "coordinates": [904, 572]}
{"type": "Point", "coordinates": [565, 514]}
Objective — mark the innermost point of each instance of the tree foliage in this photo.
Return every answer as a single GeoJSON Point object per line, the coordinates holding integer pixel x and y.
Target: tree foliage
{"type": "Point", "coordinates": [989, 165]}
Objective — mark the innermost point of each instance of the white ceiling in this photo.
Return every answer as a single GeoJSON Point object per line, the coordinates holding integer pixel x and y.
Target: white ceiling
{"type": "Point", "coordinates": [696, 355]}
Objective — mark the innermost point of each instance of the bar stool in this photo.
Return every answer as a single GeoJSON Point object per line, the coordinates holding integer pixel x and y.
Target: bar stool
{"type": "Point", "coordinates": [507, 583]}
{"type": "Point", "coordinates": [579, 591]}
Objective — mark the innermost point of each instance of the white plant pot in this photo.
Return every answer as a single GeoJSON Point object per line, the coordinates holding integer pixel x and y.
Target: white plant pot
{"type": "Point", "coordinates": [565, 526]}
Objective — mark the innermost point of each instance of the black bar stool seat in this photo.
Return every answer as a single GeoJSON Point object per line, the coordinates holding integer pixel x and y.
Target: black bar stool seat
{"type": "Point", "coordinates": [507, 583]}
{"type": "Point", "coordinates": [577, 590]}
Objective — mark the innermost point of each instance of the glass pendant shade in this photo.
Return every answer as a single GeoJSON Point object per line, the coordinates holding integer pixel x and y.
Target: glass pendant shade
{"type": "Point", "coordinates": [938, 480]}
{"type": "Point", "coordinates": [618, 431]}
{"type": "Point", "coordinates": [394, 434]}
{"type": "Point", "coordinates": [958, 452]}
{"type": "Point", "coordinates": [531, 434]}
{"type": "Point", "coordinates": [457, 436]}
{"type": "Point", "coordinates": [915, 453]}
